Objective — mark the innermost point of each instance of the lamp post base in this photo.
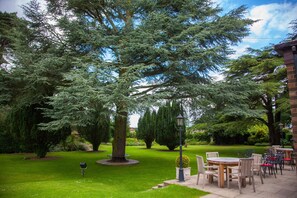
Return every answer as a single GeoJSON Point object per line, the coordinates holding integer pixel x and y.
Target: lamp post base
{"type": "Point", "coordinates": [181, 175]}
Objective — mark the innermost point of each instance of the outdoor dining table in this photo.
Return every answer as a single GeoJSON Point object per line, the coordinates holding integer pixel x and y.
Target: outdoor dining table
{"type": "Point", "coordinates": [222, 162]}
{"type": "Point", "coordinates": [287, 151]}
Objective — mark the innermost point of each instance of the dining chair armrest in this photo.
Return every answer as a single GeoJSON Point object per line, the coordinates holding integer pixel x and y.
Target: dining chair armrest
{"type": "Point", "coordinates": [212, 166]}
{"type": "Point", "coordinates": [233, 167]}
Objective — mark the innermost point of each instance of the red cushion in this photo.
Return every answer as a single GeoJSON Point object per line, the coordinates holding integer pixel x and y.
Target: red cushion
{"type": "Point", "coordinates": [271, 158]}
{"type": "Point", "coordinates": [266, 164]}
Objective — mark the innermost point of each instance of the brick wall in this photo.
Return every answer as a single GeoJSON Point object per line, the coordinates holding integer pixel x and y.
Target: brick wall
{"type": "Point", "coordinates": [285, 49]}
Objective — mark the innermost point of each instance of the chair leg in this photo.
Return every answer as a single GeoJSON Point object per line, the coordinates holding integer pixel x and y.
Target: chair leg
{"type": "Point", "coordinates": [264, 170]}
{"type": "Point", "coordinates": [254, 183]}
{"type": "Point", "coordinates": [274, 172]}
{"type": "Point", "coordinates": [260, 173]}
{"type": "Point", "coordinates": [239, 184]}
{"type": "Point", "coordinates": [203, 180]}
{"type": "Point", "coordinates": [228, 184]}
{"type": "Point", "coordinates": [197, 179]}
{"type": "Point", "coordinates": [281, 170]}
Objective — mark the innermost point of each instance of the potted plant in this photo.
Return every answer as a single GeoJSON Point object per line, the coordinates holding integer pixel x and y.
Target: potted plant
{"type": "Point", "coordinates": [185, 165]}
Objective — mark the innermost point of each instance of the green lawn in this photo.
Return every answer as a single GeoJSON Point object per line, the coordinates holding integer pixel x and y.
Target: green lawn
{"type": "Point", "coordinates": [60, 177]}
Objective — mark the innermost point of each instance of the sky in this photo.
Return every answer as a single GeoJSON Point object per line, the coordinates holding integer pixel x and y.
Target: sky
{"type": "Point", "coordinates": [272, 27]}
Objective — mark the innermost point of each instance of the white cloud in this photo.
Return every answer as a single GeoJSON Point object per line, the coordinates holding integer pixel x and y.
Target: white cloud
{"type": "Point", "coordinates": [272, 17]}
{"type": "Point", "coordinates": [15, 6]}
{"type": "Point", "coordinates": [239, 50]}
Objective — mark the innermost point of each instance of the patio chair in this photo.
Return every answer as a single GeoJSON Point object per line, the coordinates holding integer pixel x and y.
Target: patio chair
{"type": "Point", "coordinates": [243, 171]}
{"type": "Point", "coordinates": [268, 164]}
{"type": "Point", "coordinates": [274, 147]}
{"type": "Point", "coordinates": [212, 154]}
{"type": "Point", "coordinates": [291, 160]}
{"type": "Point", "coordinates": [257, 165]}
{"type": "Point", "coordinates": [294, 160]}
{"type": "Point", "coordinates": [203, 169]}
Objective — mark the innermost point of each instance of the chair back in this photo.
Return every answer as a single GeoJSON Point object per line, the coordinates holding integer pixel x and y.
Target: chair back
{"type": "Point", "coordinates": [274, 147]}
{"type": "Point", "coordinates": [245, 167]}
{"type": "Point", "coordinates": [200, 164]}
{"type": "Point", "coordinates": [257, 160]}
{"type": "Point", "coordinates": [212, 154]}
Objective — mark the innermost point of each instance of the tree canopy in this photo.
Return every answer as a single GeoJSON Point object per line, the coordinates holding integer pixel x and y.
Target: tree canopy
{"type": "Point", "coordinates": [140, 51]}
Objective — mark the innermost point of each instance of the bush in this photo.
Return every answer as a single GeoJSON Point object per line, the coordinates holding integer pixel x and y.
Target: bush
{"type": "Point", "coordinates": [195, 142]}
{"type": "Point", "coordinates": [185, 161]}
{"type": "Point", "coordinates": [134, 142]}
{"type": "Point", "coordinates": [258, 134]}
{"type": "Point", "coordinates": [201, 137]}
{"type": "Point", "coordinates": [72, 143]}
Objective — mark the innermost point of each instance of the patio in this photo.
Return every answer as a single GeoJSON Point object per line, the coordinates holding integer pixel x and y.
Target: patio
{"type": "Point", "coordinates": [283, 186]}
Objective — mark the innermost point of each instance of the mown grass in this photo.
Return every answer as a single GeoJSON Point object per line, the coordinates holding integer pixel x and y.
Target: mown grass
{"type": "Point", "coordinates": [60, 176]}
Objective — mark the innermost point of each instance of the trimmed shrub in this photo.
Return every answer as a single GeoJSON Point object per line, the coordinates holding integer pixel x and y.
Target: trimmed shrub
{"type": "Point", "coordinates": [185, 161]}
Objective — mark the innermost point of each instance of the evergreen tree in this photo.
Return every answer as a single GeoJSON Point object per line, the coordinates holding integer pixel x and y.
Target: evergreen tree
{"type": "Point", "coordinates": [169, 45]}
{"type": "Point", "coordinates": [293, 26]}
{"type": "Point", "coordinates": [146, 128]}
{"type": "Point", "coordinates": [265, 67]}
{"type": "Point", "coordinates": [167, 131]}
{"type": "Point", "coordinates": [225, 111]}
{"type": "Point", "coordinates": [39, 59]}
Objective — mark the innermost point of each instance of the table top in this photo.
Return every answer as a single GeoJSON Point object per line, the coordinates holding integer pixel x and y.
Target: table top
{"type": "Point", "coordinates": [284, 149]}
{"type": "Point", "coordinates": [224, 159]}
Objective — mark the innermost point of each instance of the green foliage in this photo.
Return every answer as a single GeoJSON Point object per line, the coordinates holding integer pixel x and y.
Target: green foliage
{"type": "Point", "coordinates": [23, 125]}
{"type": "Point", "coordinates": [140, 52]}
{"type": "Point", "coordinates": [185, 161]}
{"type": "Point", "coordinates": [197, 133]}
{"type": "Point", "coordinates": [74, 143]}
{"type": "Point", "coordinates": [266, 68]}
{"type": "Point", "coordinates": [258, 134]}
{"type": "Point", "coordinates": [167, 131]}
{"type": "Point", "coordinates": [7, 143]}
{"type": "Point", "coordinates": [202, 136]}
{"type": "Point", "coordinates": [147, 127]}
{"type": "Point", "coordinates": [134, 142]}
{"type": "Point", "coordinates": [8, 21]}
{"type": "Point", "coordinates": [97, 132]}
{"type": "Point", "coordinates": [39, 61]}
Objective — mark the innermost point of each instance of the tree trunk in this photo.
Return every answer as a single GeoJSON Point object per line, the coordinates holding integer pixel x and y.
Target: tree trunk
{"type": "Point", "coordinates": [148, 144]}
{"type": "Point", "coordinates": [95, 146]}
{"type": "Point", "coordinates": [274, 136]}
{"type": "Point", "coordinates": [277, 120]}
{"type": "Point", "coordinates": [119, 141]}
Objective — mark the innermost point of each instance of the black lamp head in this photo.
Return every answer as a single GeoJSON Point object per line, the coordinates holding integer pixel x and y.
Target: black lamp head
{"type": "Point", "coordinates": [83, 165]}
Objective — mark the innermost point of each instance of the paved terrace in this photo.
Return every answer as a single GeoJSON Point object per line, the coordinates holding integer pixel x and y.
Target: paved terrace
{"type": "Point", "coordinates": [283, 186]}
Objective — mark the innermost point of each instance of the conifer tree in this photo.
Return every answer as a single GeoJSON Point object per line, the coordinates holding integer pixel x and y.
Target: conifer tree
{"type": "Point", "coordinates": [144, 50]}
{"type": "Point", "coordinates": [167, 131]}
{"type": "Point", "coordinates": [146, 128]}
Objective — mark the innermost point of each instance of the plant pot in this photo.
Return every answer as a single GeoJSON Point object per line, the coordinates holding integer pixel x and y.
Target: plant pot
{"type": "Point", "coordinates": [187, 173]}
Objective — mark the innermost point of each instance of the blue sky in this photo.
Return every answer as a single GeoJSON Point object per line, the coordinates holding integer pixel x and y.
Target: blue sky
{"type": "Point", "coordinates": [273, 26]}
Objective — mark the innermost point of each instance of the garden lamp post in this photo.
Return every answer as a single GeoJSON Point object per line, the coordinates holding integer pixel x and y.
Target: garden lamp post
{"type": "Point", "coordinates": [83, 167]}
{"type": "Point", "coordinates": [180, 123]}
{"type": "Point", "coordinates": [281, 125]}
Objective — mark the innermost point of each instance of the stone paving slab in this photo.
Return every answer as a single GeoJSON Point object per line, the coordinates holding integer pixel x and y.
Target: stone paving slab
{"type": "Point", "coordinates": [283, 186]}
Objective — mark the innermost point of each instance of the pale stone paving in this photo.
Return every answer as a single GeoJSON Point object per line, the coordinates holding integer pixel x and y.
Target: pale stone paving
{"type": "Point", "coordinates": [283, 186]}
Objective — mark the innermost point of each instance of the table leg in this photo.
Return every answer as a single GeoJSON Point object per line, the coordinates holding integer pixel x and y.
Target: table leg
{"type": "Point", "coordinates": [243, 182]}
{"type": "Point", "coordinates": [221, 176]}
